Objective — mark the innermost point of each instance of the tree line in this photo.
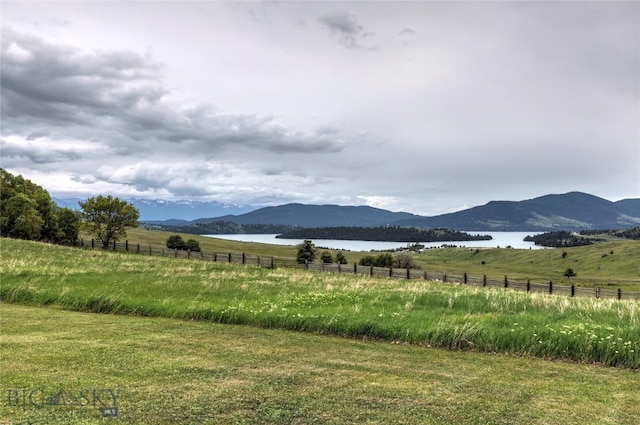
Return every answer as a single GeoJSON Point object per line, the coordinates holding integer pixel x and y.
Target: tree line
{"type": "Point", "coordinates": [560, 239]}
{"type": "Point", "coordinates": [218, 227]}
{"type": "Point", "coordinates": [27, 212]}
{"type": "Point", "coordinates": [383, 233]}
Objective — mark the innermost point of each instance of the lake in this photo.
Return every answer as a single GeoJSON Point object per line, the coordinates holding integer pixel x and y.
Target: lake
{"type": "Point", "coordinates": [500, 239]}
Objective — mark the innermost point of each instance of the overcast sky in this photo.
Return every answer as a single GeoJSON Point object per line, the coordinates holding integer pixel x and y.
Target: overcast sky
{"type": "Point", "coordinates": [425, 107]}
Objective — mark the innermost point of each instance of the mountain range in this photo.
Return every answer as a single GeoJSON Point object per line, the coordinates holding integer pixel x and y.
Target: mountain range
{"type": "Point", "coordinates": [569, 211]}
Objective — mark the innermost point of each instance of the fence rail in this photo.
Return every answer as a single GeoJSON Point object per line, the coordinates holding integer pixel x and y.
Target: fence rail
{"type": "Point", "coordinates": [379, 272]}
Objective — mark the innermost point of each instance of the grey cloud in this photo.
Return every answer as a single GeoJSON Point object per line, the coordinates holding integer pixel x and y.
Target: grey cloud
{"type": "Point", "coordinates": [346, 29]}
{"type": "Point", "coordinates": [117, 97]}
{"type": "Point", "coordinates": [38, 154]}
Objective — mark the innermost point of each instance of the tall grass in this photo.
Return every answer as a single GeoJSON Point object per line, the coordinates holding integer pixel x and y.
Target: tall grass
{"type": "Point", "coordinates": [417, 312]}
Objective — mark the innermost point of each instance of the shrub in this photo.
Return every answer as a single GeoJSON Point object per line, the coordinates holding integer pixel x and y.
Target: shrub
{"type": "Point", "coordinates": [192, 245]}
{"type": "Point", "coordinates": [326, 257]}
{"type": "Point", "coordinates": [175, 242]}
{"type": "Point", "coordinates": [405, 261]}
{"type": "Point", "coordinates": [340, 258]}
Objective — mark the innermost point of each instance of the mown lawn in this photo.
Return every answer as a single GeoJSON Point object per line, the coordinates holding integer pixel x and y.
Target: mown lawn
{"type": "Point", "coordinates": [168, 371]}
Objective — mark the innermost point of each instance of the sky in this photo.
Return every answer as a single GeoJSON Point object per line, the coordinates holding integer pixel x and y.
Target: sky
{"type": "Point", "coordinates": [422, 106]}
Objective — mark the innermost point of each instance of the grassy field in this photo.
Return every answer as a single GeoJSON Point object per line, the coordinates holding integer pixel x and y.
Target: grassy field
{"type": "Point", "coordinates": [167, 371]}
{"type": "Point", "coordinates": [418, 312]}
{"type": "Point", "coordinates": [612, 264]}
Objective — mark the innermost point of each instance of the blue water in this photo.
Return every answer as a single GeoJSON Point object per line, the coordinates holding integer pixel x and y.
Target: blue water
{"type": "Point", "coordinates": [500, 239]}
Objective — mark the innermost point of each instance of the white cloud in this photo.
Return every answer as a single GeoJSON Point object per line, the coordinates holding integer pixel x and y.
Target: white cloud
{"type": "Point", "coordinates": [414, 106]}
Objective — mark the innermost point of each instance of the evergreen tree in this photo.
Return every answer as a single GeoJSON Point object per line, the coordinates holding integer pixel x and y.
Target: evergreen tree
{"type": "Point", "coordinates": [306, 252]}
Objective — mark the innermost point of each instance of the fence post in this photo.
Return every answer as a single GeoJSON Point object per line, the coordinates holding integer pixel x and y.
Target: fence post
{"type": "Point", "coordinates": [425, 275]}
{"type": "Point", "coordinates": [126, 245]}
{"type": "Point", "coordinates": [188, 253]}
{"type": "Point", "coordinates": [573, 290]}
{"type": "Point", "coordinates": [273, 263]}
{"type": "Point", "coordinates": [355, 268]}
{"type": "Point", "coordinates": [484, 280]}
{"type": "Point", "coordinates": [390, 271]}
{"type": "Point", "coordinates": [114, 245]}
{"type": "Point", "coordinates": [619, 294]}
{"type": "Point", "coordinates": [529, 285]}
{"type": "Point", "coordinates": [465, 278]}
{"type": "Point", "coordinates": [371, 271]}
{"type": "Point", "coordinates": [506, 281]}
{"type": "Point", "coordinates": [243, 258]}
{"type": "Point", "coordinates": [163, 252]}
{"type": "Point", "coordinates": [444, 277]}
{"type": "Point", "coordinates": [306, 264]}
{"type": "Point", "coordinates": [150, 250]}
{"type": "Point", "coordinates": [92, 244]}
{"type": "Point", "coordinates": [215, 257]}
{"type": "Point", "coordinates": [82, 242]}
{"type": "Point", "coordinates": [258, 261]}
{"type": "Point", "coordinates": [408, 273]}
{"type": "Point", "coordinates": [175, 252]}
{"type": "Point", "coordinates": [229, 257]}
{"type": "Point", "coordinates": [202, 255]}
{"type": "Point", "coordinates": [597, 292]}
{"type": "Point", "coordinates": [550, 287]}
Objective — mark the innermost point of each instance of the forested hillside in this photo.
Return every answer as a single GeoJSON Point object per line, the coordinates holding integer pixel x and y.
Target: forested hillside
{"type": "Point", "coordinates": [383, 233]}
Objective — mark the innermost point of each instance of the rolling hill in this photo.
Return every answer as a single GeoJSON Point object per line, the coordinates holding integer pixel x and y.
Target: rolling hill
{"type": "Point", "coordinates": [570, 211]}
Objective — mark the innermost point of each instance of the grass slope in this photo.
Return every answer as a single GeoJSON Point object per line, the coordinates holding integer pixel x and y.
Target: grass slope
{"type": "Point", "coordinates": [178, 372]}
{"type": "Point", "coordinates": [595, 265]}
{"type": "Point", "coordinates": [418, 312]}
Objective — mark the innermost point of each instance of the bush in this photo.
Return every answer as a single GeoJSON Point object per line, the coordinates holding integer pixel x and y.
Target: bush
{"type": "Point", "coordinates": [175, 242]}
{"type": "Point", "coordinates": [326, 257]}
{"type": "Point", "coordinates": [405, 261]}
{"type": "Point", "coordinates": [382, 260]}
{"type": "Point", "coordinates": [340, 258]}
{"type": "Point", "coordinates": [192, 245]}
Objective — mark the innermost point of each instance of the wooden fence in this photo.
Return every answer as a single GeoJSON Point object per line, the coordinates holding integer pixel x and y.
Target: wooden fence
{"type": "Point", "coordinates": [379, 272]}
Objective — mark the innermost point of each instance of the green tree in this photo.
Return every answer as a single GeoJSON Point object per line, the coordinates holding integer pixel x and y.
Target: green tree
{"type": "Point", "coordinates": [20, 219]}
{"type": "Point", "coordinates": [384, 260]}
{"type": "Point", "coordinates": [175, 242]}
{"type": "Point", "coordinates": [68, 226]}
{"type": "Point", "coordinates": [569, 273]}
{"type": "Point", "coordinates": [108, 218]}
{"type": "Point", "coordinates": [27, 211]}
{"type": "Point", "coordinates": [326, 257]}
{"type": "Point", "coordinates": [192, 245]}
{"type": "Point", "coordinates": [340, 258]}
{"type": "Point", "coordinates": [306, 252]}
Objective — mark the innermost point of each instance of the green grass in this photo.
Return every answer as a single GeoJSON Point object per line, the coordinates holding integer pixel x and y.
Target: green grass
{"type": "Point", "coordinates": [418, 312]}
{"type": "Point", "coordinates": [611, 264]}
{"type": "Point", "coordinates": [183, 372]}
{"type": "Point", "coordinates": [594, 264]}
